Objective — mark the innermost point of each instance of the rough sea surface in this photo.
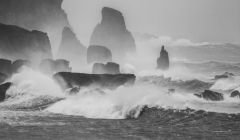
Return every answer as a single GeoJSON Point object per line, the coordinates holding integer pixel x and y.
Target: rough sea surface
{"type": "Point", "coordinates": [144, 111]}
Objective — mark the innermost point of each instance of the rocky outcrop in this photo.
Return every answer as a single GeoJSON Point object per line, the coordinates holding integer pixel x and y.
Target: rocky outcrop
{"type": "Point", "coordinates": [235, 93]}
{"type": "Point", "coordinates": [224, 76]}
{"type": "Point", "coordinates": [3, 90]}
{"type": "Point", "coordinates": [72, 80]}
{"type": "Point", "coordinates": [211, 95]}
{"type": "Point", "coordinates": [50, 66]}
{"type": "Point", "coordinates": [18, 43]}
{"type": "Point", "coordinates": [109, 68]}
{"type": "Point", "coordinates": [163, 60]}
{"type": "Point", "coordinates": [98, 54]}
{"type": "Point", "coordinates": [42, 15]}
{"type": "Point", "coordinates": [113, 34]}
{"type": "Point", "coordinates": [71, 48]}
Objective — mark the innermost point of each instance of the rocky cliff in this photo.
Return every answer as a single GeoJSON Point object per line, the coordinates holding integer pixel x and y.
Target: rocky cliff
{"type": "Point", "coordinates": [18, 43]}
{"type": "Point", "coordinates": [113, 34]}
{"type": "Point", "coordinates": [72, 80]}
{"type": "Point", "coordinates": [42, 15]}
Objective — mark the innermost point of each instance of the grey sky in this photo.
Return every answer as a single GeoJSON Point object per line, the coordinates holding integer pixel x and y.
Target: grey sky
{"type": "Point", "coordinates": [197, 20]}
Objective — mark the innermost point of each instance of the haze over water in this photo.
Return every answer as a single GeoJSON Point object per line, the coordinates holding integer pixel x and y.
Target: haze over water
{"type": "Point", "coordinates": [193, 99]}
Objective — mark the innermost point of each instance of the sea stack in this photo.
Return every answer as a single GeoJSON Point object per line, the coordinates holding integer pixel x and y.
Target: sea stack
{"type": "Point", "coordinates": [113, 34]}
{"type": "Point", "coordinates": [71, 48]}
{"type": "Point", "coordinates": [163, 60]}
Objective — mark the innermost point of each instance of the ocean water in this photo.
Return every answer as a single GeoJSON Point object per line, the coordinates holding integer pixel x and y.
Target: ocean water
{"type": "Point", "coordinates": [37, 108]}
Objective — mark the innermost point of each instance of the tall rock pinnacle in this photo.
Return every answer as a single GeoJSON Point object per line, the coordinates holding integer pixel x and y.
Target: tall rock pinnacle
{"type": "Point", "coordinates": [163, 60]}
{"type": "Point", "coordinates": [113, 34]}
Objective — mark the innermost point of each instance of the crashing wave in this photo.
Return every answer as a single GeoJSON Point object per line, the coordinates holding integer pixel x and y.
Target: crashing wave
{"type": "Point", "coordinates": [32, 90]}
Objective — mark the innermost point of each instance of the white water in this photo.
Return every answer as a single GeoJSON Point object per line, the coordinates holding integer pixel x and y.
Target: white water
{"type": "Point", "coordinates": [227, 84]}
{"type": "Point", "coordinates": [31, 88]}
{"type": "Point", "coordinates": [124, 101]}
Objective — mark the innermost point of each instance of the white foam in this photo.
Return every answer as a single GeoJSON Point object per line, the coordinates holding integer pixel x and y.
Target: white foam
{"type": "Point", "coordinates": [124, 101]}
{"type": "Point", "coordinates": [227, 84]}
{"type": "Point", "coordinates": [30, 87]}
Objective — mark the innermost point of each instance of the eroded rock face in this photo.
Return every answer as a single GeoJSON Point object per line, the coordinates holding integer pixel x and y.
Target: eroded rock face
{"type": "Point", "coordinates": [42, 15]}
{"type": "Point", "coordinates": [113, 34]}
{"type": "Point", "coordinates": [18, 43]}
{"type": "Point", "coordinates": [72, 80]}
{"type": "Point", "coordinates": [211, 95]}
{"type": "Point", "coordinates": [71, 48]}
{"type": "Point", "coordinates": [109, 68]}
{"type": "Point", "coordinates": [98, 54]}
{"type": "Point", "coordinates": [50, 66]}
{"type": "Point", "coordinates": [163, 60]}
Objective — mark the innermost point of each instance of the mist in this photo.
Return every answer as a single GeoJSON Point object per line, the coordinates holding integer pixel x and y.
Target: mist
{"type": "Point", "coordinates": [199, 21]}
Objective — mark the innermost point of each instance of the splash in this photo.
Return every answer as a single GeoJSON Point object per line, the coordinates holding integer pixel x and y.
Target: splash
{"type": "Point", "coordinates": [129, 101]}
{"type": "Point", "coordinates": [30, 89]}
{"type": "Point", "coordinates": [175, 73]}
{"type": "Point", "coordinates": [227, 84]}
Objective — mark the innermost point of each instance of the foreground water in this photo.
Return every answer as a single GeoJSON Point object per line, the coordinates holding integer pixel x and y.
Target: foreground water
{"type": "Point", "coordinates": [143, 111]}
{"type": "Point", "coordinates": [153, 124]}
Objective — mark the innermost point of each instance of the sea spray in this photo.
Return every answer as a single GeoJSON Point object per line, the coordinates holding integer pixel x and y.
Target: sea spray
{"type": "Point", "coordinates": [175, 73]}
{"type": "Point", "coordinates": [30, 89]}
{"type": "Point", "coordinates": [129, 101]}
{"type": "Point", "coordinates": [227, 84]}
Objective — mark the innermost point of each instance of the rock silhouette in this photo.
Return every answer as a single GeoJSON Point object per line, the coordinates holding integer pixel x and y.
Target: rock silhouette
{"type": "Point", "coordinates": [18, 43]}
{"type": "Point", "coordinates": [71, 48]}
{"type": "Point", "coordinates": [99, 54]}
{"type": "Point", "coordinates": [163, 60]}
{"type": "Point", "coordinates": [109, 68]}
{"type": "Point", "coordinates": [113, 34]}
{"type": "Point", "coordinates": [42, 15]}
{"type": "Point", "coordinates": [72, 80]}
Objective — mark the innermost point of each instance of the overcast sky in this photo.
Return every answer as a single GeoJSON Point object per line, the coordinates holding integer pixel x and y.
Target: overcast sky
{"type": "Point", "coordinates": [197, 20]}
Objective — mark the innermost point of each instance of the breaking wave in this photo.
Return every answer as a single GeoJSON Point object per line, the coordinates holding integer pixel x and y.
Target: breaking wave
{"type": "Point", "coordinates": [227, 84]}
{"type": "Point", "coordinates": [32, 90]}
